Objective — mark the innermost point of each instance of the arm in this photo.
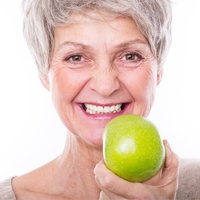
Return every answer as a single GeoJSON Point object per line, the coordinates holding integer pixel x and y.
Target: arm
{"type": "Point", "coordinates": [189, 179]}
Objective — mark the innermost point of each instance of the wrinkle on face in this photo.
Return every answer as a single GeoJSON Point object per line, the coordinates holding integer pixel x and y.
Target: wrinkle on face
{"type": "Point", "coordinates": [102, 77]}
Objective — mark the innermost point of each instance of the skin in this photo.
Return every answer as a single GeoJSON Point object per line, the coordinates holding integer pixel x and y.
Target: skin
{"type": "Point", "coordinates": [100, 62]}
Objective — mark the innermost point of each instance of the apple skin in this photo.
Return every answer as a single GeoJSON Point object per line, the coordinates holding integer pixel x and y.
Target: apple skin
{"type": "Point", "coordinates": [132, 148]}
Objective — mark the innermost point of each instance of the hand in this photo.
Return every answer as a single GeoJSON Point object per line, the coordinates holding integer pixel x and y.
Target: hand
{"type": "Point", "coordinates": [162, 186]}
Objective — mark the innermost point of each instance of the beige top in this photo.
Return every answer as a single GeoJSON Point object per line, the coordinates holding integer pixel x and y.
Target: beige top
{"type": "Point", "coordinates": [189, 182]}
{"type": "Point", "coordinates": [6, 190]}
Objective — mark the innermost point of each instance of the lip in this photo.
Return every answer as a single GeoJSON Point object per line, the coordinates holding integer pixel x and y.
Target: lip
{"type": "Point", "coordinates": [105, 116]}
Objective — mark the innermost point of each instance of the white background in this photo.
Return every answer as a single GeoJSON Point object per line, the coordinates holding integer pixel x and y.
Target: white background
{"type": "Point", "coordinates": [30, 131]}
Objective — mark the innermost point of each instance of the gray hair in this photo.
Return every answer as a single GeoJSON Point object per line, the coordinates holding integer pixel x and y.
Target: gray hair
{"type": "Point", "coordinates": [153, 18]}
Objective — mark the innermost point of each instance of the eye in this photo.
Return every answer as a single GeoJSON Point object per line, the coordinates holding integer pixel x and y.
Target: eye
{"type": "Point", "coordinates": [132, 57]}
{"type": "Point", "coordinates": [74, 58]}
{"type": "Point", "coordinates": [130, 60]}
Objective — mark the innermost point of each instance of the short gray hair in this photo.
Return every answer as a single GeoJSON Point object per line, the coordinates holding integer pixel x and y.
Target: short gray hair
{"type": "Point", "coordinates": [153, 18]}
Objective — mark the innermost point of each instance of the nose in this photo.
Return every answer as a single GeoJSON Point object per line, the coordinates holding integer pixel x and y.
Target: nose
{"type": "Point", "coordinates": [105, 82]}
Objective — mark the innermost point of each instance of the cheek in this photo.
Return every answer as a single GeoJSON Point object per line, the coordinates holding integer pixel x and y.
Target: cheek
{"type": "Point", "coordinates": [150, 82]}
{"type": "Point", "coordinates": [142, 84]}
{"type": "Point", "coordinates": [65, 85]}
{"type": "Point", "coordinates": [59, 87]}
{"type": "Point", "coordinates": [63, 91]}
{"type": "Point", "coordinates": [64, 88]}
{"type": "Point", "coordinates": [144, 92]}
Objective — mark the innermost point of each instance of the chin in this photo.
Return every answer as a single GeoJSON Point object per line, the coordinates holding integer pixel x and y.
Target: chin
{"type": "Point", "coordinates": [94, 141]}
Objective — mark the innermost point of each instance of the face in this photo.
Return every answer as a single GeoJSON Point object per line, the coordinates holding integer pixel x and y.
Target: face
{"type": "Point", "coordinates": [100, 69]}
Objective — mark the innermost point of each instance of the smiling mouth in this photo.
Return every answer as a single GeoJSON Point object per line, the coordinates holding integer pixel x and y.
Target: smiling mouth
{"type": "Point", "coordinates": [94, 109]}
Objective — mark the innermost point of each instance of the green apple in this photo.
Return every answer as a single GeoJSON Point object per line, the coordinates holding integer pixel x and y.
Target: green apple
{"type": "Point", "coordinates": [132, 148]}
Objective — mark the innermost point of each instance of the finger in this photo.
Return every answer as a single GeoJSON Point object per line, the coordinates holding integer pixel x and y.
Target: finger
{"type": "Point", "coordinates": [112, 184]}
{"type": "Point", "coordinates": [171, 158]}
{"type": "Point", "coordinates": [169, 176]}
{"type": "Point", "coordinates": [169, 169]}
{"type": "Point", "coordinates": [103, 196]}
{"type": "Point", "coordinates": [171, 166]}
{"type": "Point", "coordinates": [155, 180]}
{"type": "Point", "coordinates": [117, 188]}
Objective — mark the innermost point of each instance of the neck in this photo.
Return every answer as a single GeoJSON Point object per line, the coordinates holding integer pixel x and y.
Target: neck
{"type": "Point", "coordinates": [76, 164]}
{"type": "Point", "coordinates": [70, 176]}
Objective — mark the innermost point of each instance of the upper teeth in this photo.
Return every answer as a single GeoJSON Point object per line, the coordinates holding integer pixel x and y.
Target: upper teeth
{"type": "Point", "coordinates": [93, 109]}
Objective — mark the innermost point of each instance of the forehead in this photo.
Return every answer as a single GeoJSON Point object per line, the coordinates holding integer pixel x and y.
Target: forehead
{"type": "Point", "coordinates": [98, 27]}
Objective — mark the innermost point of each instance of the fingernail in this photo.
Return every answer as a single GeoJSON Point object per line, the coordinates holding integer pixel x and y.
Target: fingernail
{"type": "Point", "coordinates": [167, 146]}
{"type": "Point", "coordinates": [94, 170]}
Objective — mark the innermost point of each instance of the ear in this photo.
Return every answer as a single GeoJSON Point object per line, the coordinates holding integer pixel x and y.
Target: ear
{"type": "Point", "coordinates": [159, 75]}
{"type": "Point", "coordinates": [44, 80]}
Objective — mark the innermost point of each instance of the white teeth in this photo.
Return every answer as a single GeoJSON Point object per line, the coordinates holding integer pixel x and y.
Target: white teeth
{"type": "Point", "coordinates": [92, 109]}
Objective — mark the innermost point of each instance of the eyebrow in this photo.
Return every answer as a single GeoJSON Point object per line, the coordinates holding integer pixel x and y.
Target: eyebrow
{"type": "Point", "coordinates": [132, 42]}
{"type": "Point", "coordinates": [76, 44]}
{"type": "Point", "coordinates": [118, 46]}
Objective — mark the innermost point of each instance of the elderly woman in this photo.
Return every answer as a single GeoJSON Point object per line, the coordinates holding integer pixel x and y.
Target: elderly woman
{"type": "Point", "coordinates": [99, 59]}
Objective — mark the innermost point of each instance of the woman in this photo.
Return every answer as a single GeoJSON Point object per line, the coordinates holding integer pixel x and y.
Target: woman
{"type": "Point", "coordinates": [99, 60]}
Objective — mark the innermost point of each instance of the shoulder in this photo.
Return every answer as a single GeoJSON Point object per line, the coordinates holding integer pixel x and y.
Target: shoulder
{"type": "Point", "coordinates": [189, 179]}
{"type": "Point", "coordinates": [6, 190]}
